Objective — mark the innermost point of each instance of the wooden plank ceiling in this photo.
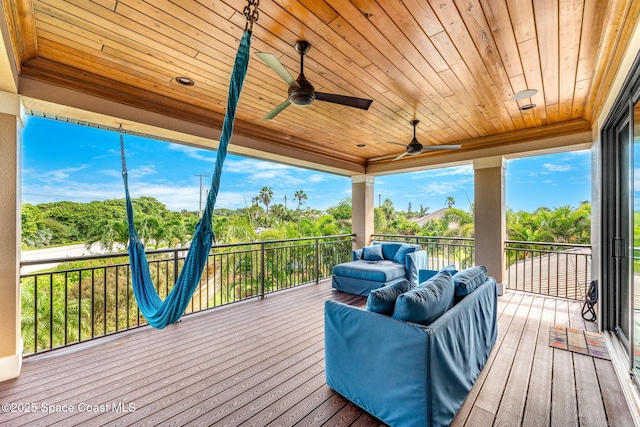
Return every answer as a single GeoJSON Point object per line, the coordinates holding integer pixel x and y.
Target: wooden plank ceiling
{"type": "Point", "coordinates": [452, 64]}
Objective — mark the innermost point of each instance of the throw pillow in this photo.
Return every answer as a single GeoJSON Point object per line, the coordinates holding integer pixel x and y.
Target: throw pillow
{"type": "Point", "coordinates": [466, 281]}
{"type": "Point", "coordinates": [403, 250]}
{"type": "Point", "coordinates": [382, 300]}
{"type": "Point", "coordinates": [451, 269]}
{"type": "Point", "coordinates": [389, 249]}
{"type": "Point", "coordinates": [426, 303]}
{"type": "Point", "coordinates": [372, 253]}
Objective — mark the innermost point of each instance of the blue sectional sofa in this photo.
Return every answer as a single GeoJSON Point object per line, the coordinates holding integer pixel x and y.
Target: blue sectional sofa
{"type": "Point", "coordinates": [409, 374]}
{"type": "Point", "coordinates": [378, 265]}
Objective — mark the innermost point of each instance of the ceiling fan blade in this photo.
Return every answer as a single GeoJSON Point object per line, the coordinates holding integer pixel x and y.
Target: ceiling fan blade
{"type": "Point", "coordinates": [441, 147]}
{"type": "Point", "coordinates": [271, 114]}
{"type": "Point", "coordinates": [397, 143]}
{"type": "Point", "coordinates": [273, 63]}
{"type": "Point", "coordinates": [349, 101]}
{"type": "Point", "coordinates": [400, 156]}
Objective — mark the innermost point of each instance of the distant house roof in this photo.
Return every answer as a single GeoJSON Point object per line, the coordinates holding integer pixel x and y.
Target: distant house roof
{"type": "Point", "coordinates": [422, 220]}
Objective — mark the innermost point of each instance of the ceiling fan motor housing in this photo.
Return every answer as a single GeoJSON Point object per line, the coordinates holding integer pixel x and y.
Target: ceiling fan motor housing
{"type": "Point", "coordinates": [303, 95]}
{"type": "Point", "coordinates": [414, 148]}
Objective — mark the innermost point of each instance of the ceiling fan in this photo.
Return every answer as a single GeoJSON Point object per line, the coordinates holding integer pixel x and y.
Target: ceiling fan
{"type": "Point", "coordinates": [414, 148]}
{"type": "Point", "coordinates": [301, 92]}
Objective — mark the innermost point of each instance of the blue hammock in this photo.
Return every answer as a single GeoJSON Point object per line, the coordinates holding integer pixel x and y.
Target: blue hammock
{"type": "Point", "coordinates": [162, 313]}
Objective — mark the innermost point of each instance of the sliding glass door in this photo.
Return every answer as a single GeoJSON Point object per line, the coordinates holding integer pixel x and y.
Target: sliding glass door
{"type": "Point", "coordinates": [620, 221]}
{"type": "Point", "coordinates": [622, 243]}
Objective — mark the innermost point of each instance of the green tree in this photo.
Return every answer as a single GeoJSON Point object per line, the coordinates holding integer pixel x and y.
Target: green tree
{"type": "Point", "coordinates": [450, 202]}
{"type": "Point", "coordinates": [300, 196]}
{"type": "Point", "coordinates": [265, 196]}
{"type": "Point", "coordinates": [388, 209]}
{"type": "Point", "coordinates": [342, 211]}
{"type": "Point", "coordinates": [31, 224]}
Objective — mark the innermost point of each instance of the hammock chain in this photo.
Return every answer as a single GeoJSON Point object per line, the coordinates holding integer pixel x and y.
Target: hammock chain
{"type": "Point", "coordinates": [251, 13]}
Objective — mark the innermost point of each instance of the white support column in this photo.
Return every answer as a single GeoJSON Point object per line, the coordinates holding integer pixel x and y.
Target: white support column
{"type": "Point", "coordinates": [10, 224]}
{"type": "Point", "coordinates": [490, 215]}
{"type": "Point", "coordinates": [362, 203]}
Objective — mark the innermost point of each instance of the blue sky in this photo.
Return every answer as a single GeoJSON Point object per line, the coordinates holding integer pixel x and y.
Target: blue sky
{"type": "Point", "coordinates": [62, 161]}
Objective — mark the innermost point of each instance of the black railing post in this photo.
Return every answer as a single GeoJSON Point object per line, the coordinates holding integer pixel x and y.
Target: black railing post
{"type": "Point", "coordinates": [51, 311]}
{"type": "Point", "coordinates": [35, 314]}
{"type": "Point", "coordinates": [317, 260]}
{"type": "Point", "coordinates": [176, 256]}
{"type": "Point", "coordinates": [262, 270]}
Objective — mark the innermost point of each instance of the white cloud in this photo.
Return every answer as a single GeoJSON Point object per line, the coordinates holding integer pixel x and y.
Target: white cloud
{"type": "Point", "coordinates": [556, 167]}
{"type": "Point", "coordinates": [116, 173]}
{"type": "Point", "coordinates": [144, 170]}
{"type": "Point", "coordinates": [194, 153]}
{"type": "Point", "coordinates": [60, 174]}
{"type": "Point", "coordinates": [315, 178]}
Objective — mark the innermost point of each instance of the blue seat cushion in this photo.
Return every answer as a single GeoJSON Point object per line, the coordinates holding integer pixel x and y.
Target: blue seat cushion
{"type": "Point", "coordinates": [466, 281]}
{"type": "Point", "coordinates": [382, 300]}
{"type": "Point", "coordinates": [426, 302]}
{"type": "Point", "coordinates": [376, 271]}
{"type": "Point", "coordinates": [372, 253]}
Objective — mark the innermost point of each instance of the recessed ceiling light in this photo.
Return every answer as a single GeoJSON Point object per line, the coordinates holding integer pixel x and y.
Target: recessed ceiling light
{"type": "Point", "coordinates": [527, 107]}
{"type": "Point", "coordinates": [524, 94]}
{"type": "Point", "coordinates": [186, 81]}
{"type": "Point", "coordinates": [361, 145]}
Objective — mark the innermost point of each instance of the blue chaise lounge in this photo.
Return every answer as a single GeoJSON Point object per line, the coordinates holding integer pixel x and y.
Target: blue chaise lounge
{"type": "Point", "coordinates": [378, 265]}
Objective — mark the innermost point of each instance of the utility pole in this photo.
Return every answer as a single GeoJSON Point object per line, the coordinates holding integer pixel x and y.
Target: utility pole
{"type": "Point", "coordinates": [200, 202]}
{"type": "Point", "coordinates": [285, 202]}
{"type": "Point", "coordinates": [379, 200]}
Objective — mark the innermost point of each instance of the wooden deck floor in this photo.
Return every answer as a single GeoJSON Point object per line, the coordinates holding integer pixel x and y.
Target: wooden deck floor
{"type": "Point", "coordinates": [260, 363]}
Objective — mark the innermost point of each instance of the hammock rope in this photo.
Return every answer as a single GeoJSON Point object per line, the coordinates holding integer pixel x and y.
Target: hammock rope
{"type": "Point", "coordinates": [160, 313]}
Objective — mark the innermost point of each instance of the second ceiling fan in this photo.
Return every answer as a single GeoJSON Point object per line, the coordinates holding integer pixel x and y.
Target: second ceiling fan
{"type": "Point", "coordinates": [414, 148]}
{"type": "Point", "coordinates": [301, 92]}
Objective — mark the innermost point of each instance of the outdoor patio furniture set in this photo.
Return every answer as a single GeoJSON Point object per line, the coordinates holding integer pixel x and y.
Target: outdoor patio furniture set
{"type": "Point", "coordinates": [412, 356]}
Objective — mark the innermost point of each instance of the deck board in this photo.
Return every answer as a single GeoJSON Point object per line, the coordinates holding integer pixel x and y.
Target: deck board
{"type": "Point", "coordinates": [261, 363]}
{"type": "Point", "coordinates": [536, 412]}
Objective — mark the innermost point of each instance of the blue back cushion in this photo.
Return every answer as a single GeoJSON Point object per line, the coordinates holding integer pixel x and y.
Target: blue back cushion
{"type": "Point", "coordinates": [466, 281]}
{"type": "Point", "coordinates": [426, 302]}
{"type": "Point", "coordinates": [403, 250]}
{"type": "Point", "coordinates": [382, 300]}
{"type": "Point", "coordinates": [389, 249]}
{"type": "Point", "coordinates": [372, 253]}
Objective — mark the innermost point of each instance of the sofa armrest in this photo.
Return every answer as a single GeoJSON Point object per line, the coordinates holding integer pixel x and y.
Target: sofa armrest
{"type": "Point", "coordinates": [414, 262]}
{"type": "Point", "coordinates": [356, 254]}
{"type": "Point", "coordinates": [460, 342]}
{"type": "Point", "coordinates": [377, 362]}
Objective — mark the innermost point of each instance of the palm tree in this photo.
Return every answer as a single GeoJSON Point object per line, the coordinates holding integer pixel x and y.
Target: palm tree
{"type": "Point", "coordinates": [265, 196]}
{"type": "Point", "coordinates": [300, 196]}
{"type": "Point", "coordinates": [450, 201]}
